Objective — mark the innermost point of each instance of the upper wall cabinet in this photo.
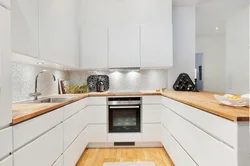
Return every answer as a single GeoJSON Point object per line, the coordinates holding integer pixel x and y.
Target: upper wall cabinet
{"type": "Point", "coordinates": [46, 29]}
{"type": "Point", "coordinates": [94, 47]}
{"type": "Point", "coordinates": [5, 3]}
{"type": "Point", "coordinates": [124, 46]}
{"type": "Point", "coordinates": [24, 27]}
{"type": "Point", "coordinates": [58, 31]}
{"type": "Point", "coordinates": [156, 45]}
{"type": "Point", "coordinates": [5, 69]}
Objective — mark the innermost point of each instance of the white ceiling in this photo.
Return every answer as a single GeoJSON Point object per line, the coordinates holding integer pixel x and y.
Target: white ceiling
{"type": "Point", "coordinates": [214, 13]}
{"type": "Point", "coordinates": [184, 2]}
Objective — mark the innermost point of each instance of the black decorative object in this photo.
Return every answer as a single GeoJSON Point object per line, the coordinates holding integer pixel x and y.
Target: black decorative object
{"type": "Point", "coordinates": [93, 79]}
{"type": "Point", "coordinates": [184, 83]}
{"type": "Point", "coordinates": [195, 86]}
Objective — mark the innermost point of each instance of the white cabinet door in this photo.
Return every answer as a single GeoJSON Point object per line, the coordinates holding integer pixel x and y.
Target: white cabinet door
{"type": "Point", "coordinates": [59, 162]}
{"type": "Point", "coordinates": [151, 113]}
{"type": "Point", "coordinates": [44, 151]}
{"type": "Point", "coordinates": [73, 153]}
{"type": "Point", "coordinates": [94, 47]}
{"type": "Point", "coordinates": [151, 133]}
{"type": "Point", "coordinates": [97, 114]}
{"type": "Point", "coordinates": [24, 27]}
{"type": "Point", "coordinates": [33, 128]}
{"type": "Point", "coordinates": [97, 133]}
{"type": "Point", "coordinates": [5, 142]}
{"type": "Point", "coordinates": [5, 69]}
{"type": "Point", "coordinates": [175, 151]}
{"type": "Point", "coordinates": [124, 46]}
{"type": "Point", "coordinates": [58, 32]}
{"type": "Point", "coordinates": [7, 162]}
{"type": "Point", "coordinates": [156, 45]}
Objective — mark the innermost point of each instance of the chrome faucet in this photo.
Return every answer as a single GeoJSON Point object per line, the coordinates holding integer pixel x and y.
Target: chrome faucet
{"type": "Point", "coordinates": [36, 94]}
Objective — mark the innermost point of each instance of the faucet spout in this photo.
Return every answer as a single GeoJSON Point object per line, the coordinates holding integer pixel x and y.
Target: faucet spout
{"type": "Point", "coordinates": [36, 94]}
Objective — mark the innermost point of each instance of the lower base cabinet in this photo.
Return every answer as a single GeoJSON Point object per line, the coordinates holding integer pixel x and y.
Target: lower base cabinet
{"type": "Point", "coordinates": [43, 151]}
{"type": "Point", "coordinates": [151, 133]}
{"type": "Point", "coordinates": [97, 133]}
{"type": "Point", "coordinates": [7, 162]}
{"type": "Point", "coordinates": [175, 151]}
{"type": "Point", "coordinates": [59, 162]}
{"type": "Point", "coordinates": [75, 150]}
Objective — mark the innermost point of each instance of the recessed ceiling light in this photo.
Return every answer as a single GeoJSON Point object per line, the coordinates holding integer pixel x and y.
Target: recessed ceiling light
{"type": "Point", "coordinates": [217, 28]}
{"type": "Point", "coordinates": [65, 69]}
{"type": "Point", "coordinates": [40, 63]}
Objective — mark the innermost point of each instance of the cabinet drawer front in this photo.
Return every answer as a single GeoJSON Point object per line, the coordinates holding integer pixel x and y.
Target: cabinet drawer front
{"type": "Point", "coordinates": [226, 132]}
{"type": "Point", "coordinates": [202, 147]}
{"type": "Point", "coordinates": [175, 151]}
{"type": "Point", "coordinates": [7, 162]}
{"type": "Point", "coordinates": [97, 133]}
{"type": "Point", "coordinates": [151, 113]}
{"type": "Point", "coordinates": [5, 142]}
{"type": "Point", "coordinates": [31, 129]}
{"type": "Point", "coordinates": [96, 114]}
{"type": "Point", "coordinates": [151, 133]}
{"type": "Point", "coordinates": [97, 100]}
{"type": "Point", "coordinates": [128, 137]}
{"type": "Point", "coordinates": [73, 127]}
{"type": "Point", "coordinates": [73, 108]}
{"type": "Point", "coordinates": [59, 162]}
{"type": "Point", "coordinates": [151, 99]}
{"type": "Point", "coordinates": [74, 152]}
{"type": "Point", "coordinates": [42, 152]}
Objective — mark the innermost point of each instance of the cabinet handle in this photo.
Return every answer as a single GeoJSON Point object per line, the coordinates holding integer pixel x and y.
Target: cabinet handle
{"type": "Point", "coordinates": [119, 107]}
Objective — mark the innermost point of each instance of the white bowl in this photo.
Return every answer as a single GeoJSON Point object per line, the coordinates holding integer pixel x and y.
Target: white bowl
{"type": "Point", "coordinates": [241, 102]}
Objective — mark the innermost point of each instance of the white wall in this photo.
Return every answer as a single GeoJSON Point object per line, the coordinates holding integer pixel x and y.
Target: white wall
{"type": "Point", "coordinates": [237, 53]}
{"type": "Point", "coordinates": [214, 65]}
{"type": "Point", "coordinates": [184, 43]}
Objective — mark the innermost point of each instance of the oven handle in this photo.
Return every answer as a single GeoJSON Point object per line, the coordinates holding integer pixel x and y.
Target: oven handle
{"type": "Point", "coordinates": [117, 107]}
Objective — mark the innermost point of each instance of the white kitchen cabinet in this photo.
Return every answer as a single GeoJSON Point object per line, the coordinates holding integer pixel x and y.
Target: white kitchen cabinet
{"type": "Point", "coordinates": [151, 99]}
{"type": "Point", "coordinates": [74, 152]}
{"type": "Point", "coordinates": [59, 162]}
{"type": "Point", "coordinates": [59, 32]}
{"type": "Point", "coordinates": [178, 155]}
{"type": "Point", "coordinates": [151, 113]}
{"type": "Point", "coordinates": [5, 69]}
{"type": "Point", "coordinates": [204, 149]}
{"type": "Point", "coordinates": [24, 27]}
{"type": "Point", "coordinates": [156, 45]}
{"type": "Point", "coordinates": [5, 142]}
{"type": "Point", "coordinates": [7, 162]}
{"type": "Point", "coordinates": [151, 132]}
{"type": "Point", "coordinates": [44, 151]}
{"type": "Point", "coordinates": [124, 137]}
{"type": "Point", "coordinates": [94, 47]}
{"type": "Point", "coordinates": [97, 133]}
{"type": "Point", "coordinates": [124, 46]}
{"type": "Point", "coordinates": [33, 128]}
{"type": "Point", "coordinates": [97, 114]}
{"type": "Point", "coordinates": [6, 3]}
{"type": "Point", "coordinates": [73, 108]}
{"type": "Point", "coordinates": [74, 126]}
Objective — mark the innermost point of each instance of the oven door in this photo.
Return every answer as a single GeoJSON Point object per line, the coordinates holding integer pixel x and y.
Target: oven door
{"type": "Point", "coordinates": [124, 119]}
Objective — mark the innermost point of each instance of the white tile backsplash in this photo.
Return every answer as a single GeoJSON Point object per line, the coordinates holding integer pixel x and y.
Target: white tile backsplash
{"type": "Point", "coordinates": [23, 81]}
{"type": "Point", "coordinates": [133, 80]}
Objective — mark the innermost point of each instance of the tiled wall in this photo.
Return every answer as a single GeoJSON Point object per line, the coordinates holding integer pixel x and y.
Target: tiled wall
{"type": "Point", "coordinates": [142, 80]}
{"type": "Point", "coordinates": [23, 81]}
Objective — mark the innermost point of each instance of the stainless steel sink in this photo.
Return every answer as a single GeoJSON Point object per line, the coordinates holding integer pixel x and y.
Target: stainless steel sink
{"type": "Point", "coordinates": [47, 100]}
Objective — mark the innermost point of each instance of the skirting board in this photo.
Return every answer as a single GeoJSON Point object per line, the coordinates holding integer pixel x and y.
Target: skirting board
{"type": "Point", "coordinates": [137, 145]}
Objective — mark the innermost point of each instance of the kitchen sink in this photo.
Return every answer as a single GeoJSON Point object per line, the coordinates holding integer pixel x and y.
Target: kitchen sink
{"type": "Point", "coordinates": [47, 100]}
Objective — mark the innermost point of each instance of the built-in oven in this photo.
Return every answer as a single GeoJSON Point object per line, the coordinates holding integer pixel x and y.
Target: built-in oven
{"type": "Point", "coordinates": [124, 114]}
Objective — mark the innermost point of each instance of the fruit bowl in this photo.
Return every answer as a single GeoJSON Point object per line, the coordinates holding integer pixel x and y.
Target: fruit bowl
{"type": "Point", "coordinates": [233, 100]}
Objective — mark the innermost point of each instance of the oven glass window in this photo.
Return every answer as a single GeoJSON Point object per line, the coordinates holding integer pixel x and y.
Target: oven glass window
{"type": "Point", "coordinates": [124, 118]}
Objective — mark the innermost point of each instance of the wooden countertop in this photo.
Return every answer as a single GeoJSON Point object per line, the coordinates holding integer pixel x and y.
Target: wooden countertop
{"type": "Point", "coordinates": [202, 100]}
